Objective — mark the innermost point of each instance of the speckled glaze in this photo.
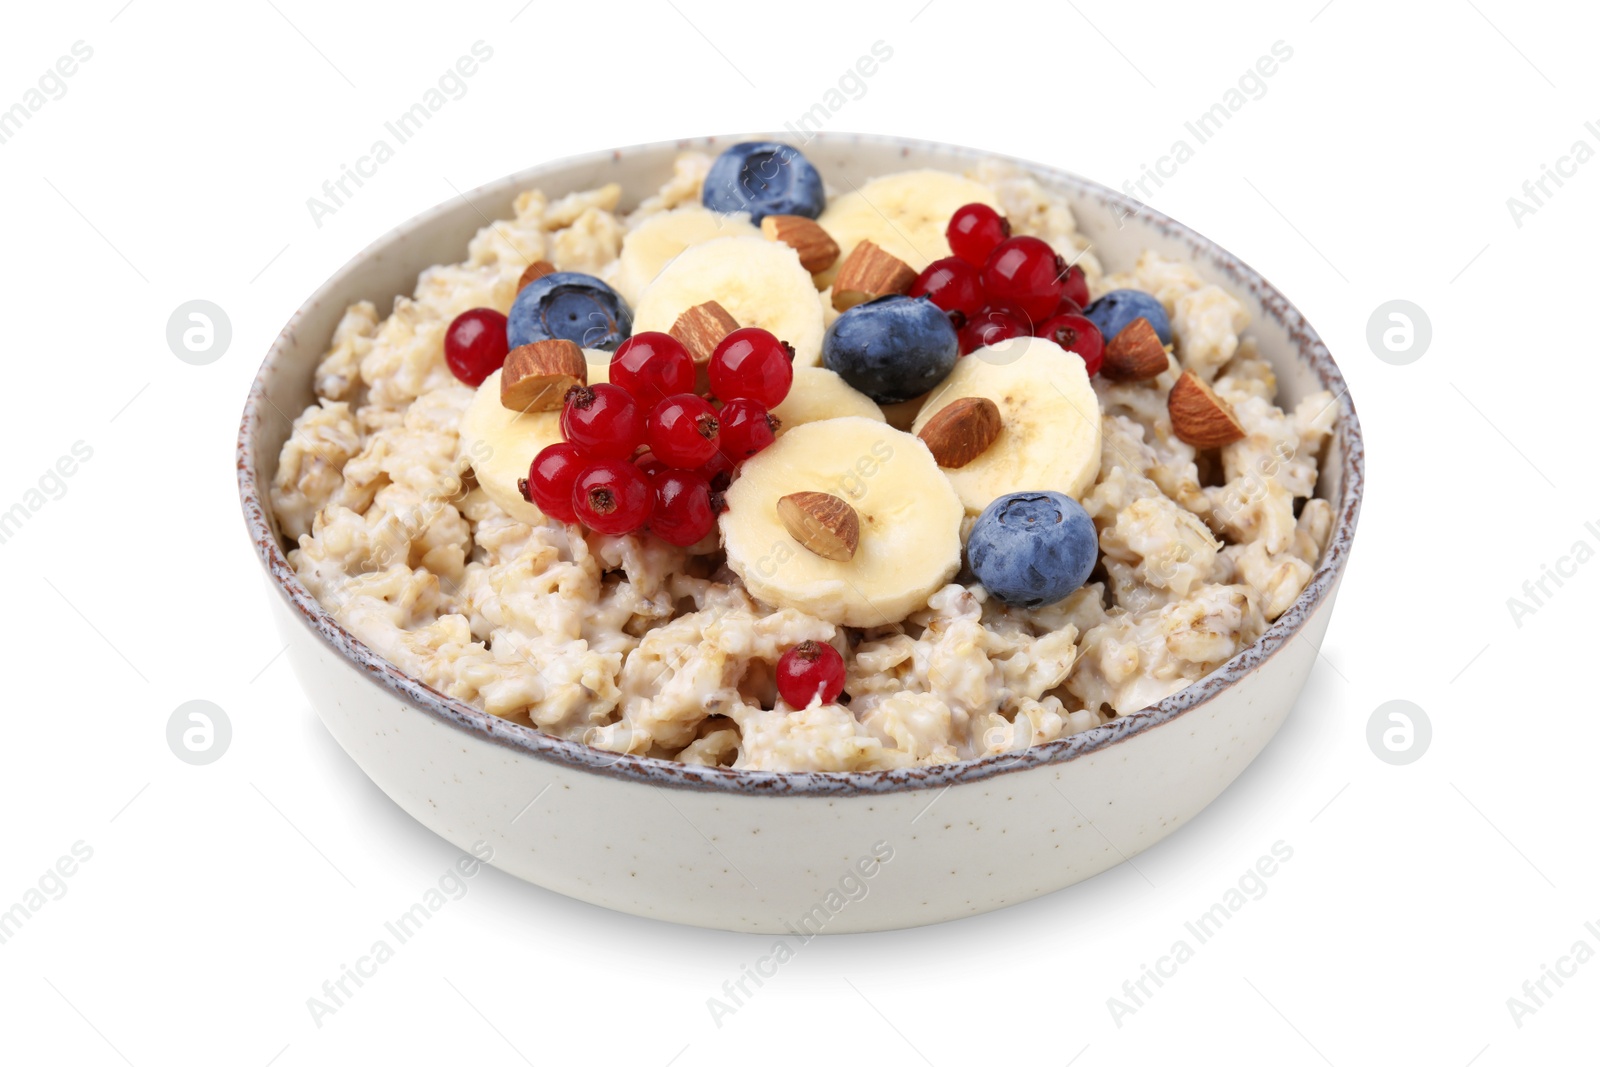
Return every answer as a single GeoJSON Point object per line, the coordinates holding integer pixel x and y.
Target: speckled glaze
{"type": "Point", "coordinates": [776, 852]}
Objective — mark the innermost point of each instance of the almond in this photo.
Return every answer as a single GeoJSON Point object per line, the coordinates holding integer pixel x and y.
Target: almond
{"type": "Point", "coordinates": [1134, 354]}
{"type": "Point", "coordinates": [1199, 416]}
{"type": "Point", "coordinates": [537, 376]}
{"type": "Point", "coordinates": [700, 330]}
{"type": "Point", "coordinates": [961, 431]}
{"type": "Point", "coordinates": [823, 523]}
{"type": "Point", "coordinates": [535, 270]}
{"type": "Point", "coordinates": [869, 272]}
{"type": "Point", "coordinates": [817, 250]}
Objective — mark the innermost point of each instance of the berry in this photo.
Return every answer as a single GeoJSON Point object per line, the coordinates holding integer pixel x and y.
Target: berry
{"type": "Point", "coordinates": [754, 364]}
{"type": "Point", "coordinates": [475, 345]}
{"type": "Point", "coordinates": [603, 419]}
{"type": "Point", "coordinates": [991, 325]}
{"type": "Point", "coordinates": [649, 464]}
{"type": "Point", "coordinates": [612, 497]}
{"type": "Point", "coordinates": [747, 428]}
{"type": "Point", "coordinates": [1112, 313]}
{"type": "Point", "coordinates": [682, 513]}
{"type": "Point", "coordinates": [651, 366]}
{"type": "Point", "coordinates": [952, 283]}
{"type": "Point", "coordinates": [1076, 334]}
{"type": "Point", "coordinates": [1025, 271]}
{"type": "Point", "coordinates": [974, 230]}
{"type": "Point", "coordinates": [1075, 287]}
{"type": "Point", "coordinates": [810, 671]}
{"type": "Point", "coordinates": [682, 431]}
{"type": "Point", "coordinates": [763, 178]}
{"type": "Point", "coordinates": [1031, 549]}
{"type": "Point", "coordinates": [892, 348]}
{"type": "Point", "coordinates": [575, 307]}
{"type": "Point", "coordinates": [548, 485]}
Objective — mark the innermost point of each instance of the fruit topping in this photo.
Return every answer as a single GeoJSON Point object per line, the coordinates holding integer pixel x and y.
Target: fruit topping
{"type": "Point", "coordinates": [952, 283]}
{"type": "Point", "coordinates": [700, 330]}
{"type": "Point", "coordinates": [1033, 548]}
{"type": "Point", "coordinates": [990, 325]}
{"type": "Point", "coordinates": [612, 496]}
{"type": "Point", "coordinates": [746, 427]}
{"type": "Point", "coordinates": [892, 348]}
{"type": "Point", "coordinates": [1077, 334]}
{"type": "Point", "coordinates": [575, 307]}
{"type": "Point", "coordinates": [603, 419]}
{"type": "Point", "coordinates": [1026, 273]}
{"type": "Point", "coordinates": [753, 364]}
{"type": "Point", "coordinates": [548, 485]}
{"type": "Point", "coordinates": [682, 431]}
{"type": "Point", "coordinates": [682, 513]}
{"type": "Point", "coordinates": [810, 671]}
{"type": "Point", "coordinates": [475, 345]}
{"type": "Point", "coordinates": [1116, 309]}
{"type": "Point", "coordinates": [537, 376]}
{"type": "Point", "coordinates": [652, 366]}
{"type": "Point", "coordinates": [974, 231]}
{"type": "Point", "coordinates": [763, 178]}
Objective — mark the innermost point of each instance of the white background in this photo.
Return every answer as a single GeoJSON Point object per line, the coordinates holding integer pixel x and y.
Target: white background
{"type": "Point", "coordinates": [219, 898]}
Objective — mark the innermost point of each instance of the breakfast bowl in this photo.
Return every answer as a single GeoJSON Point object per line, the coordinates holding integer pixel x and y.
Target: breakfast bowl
{"type": "Point", "coordinates": [806, 851]}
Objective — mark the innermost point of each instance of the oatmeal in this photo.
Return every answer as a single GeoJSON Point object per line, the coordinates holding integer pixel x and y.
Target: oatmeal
{"type": "Point", "coordinates": [862, 582]}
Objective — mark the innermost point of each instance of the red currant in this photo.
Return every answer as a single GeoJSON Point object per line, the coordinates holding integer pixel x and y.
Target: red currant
{"type": "Point", "coordinates": [1026, 272]}
{"type": "Point", "coordinates": [952, 284]}
{"type": "Point", "coordinates": [652, 365]}
{"type": "Point", "coordinates": [475, 345]}
{"type": "Point", "coordinates": [1075, 287]}
{"type": "Point", "coordinates": [753, 364]}
{"type": "Point", "coordinates": [974, 230]}
{"type": "Point", "coordinates": [682, 514]}
{"type": "Point", "coordinates": [990, 326]}
{"type": "Point", "coordinates": [603, 419]}
{"type": "Point", "coordinates": [808, 671]}
{"type": "Point", "coordinates": [548, 485]}
{"type": "Point", "coordinates": [682, 431]}
{"type": "Point", "coordinates": [747, 428]}
{"type": "Point", "coordinates": [647, 462]}
{"type": "Point", "coordinates": [1076, 334]}
{"type": "Point", "coordinates": [612, 497]}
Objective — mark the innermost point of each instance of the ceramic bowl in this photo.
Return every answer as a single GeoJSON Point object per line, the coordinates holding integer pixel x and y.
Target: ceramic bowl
{"type": "Point", "coordinates": [792, 852]}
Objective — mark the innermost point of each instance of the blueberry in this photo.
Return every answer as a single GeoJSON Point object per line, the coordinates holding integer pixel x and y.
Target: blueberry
{"type": "Point", "coordinates": [763, 178]}
{"type": "Point", "coordinates": [1121, 306]}
{"type": "Point", "coordinates": [1030, 549]}
{"type": "Point", "coordinates": [575, 307]}
{"type": "Point", "coordinates": [892, 348]}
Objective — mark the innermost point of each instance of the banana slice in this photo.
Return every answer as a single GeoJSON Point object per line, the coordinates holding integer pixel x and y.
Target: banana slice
{"type": "Point", "coordinates": [499, 444]}
{"type": "Point", "coordinates": [908, 516]}
{"type": "Point", "coordinates": [659, 239]}
{"type": "Point", "coordinates": [817, 394]}
{"type": "Point", "coordinates": [757, 281]}
{"type": "Point", "coordinates": [903, 214]}
{"type": "Point", "coordinates": [1049, 414]}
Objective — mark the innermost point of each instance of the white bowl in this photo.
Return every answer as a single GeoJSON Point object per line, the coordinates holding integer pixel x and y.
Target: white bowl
{"type": "Point", "coordinates": [780, 852]}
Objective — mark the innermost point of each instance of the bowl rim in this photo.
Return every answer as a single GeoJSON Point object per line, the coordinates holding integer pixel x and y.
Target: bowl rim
{"type": "Point", "coordinates": [659, 772]}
